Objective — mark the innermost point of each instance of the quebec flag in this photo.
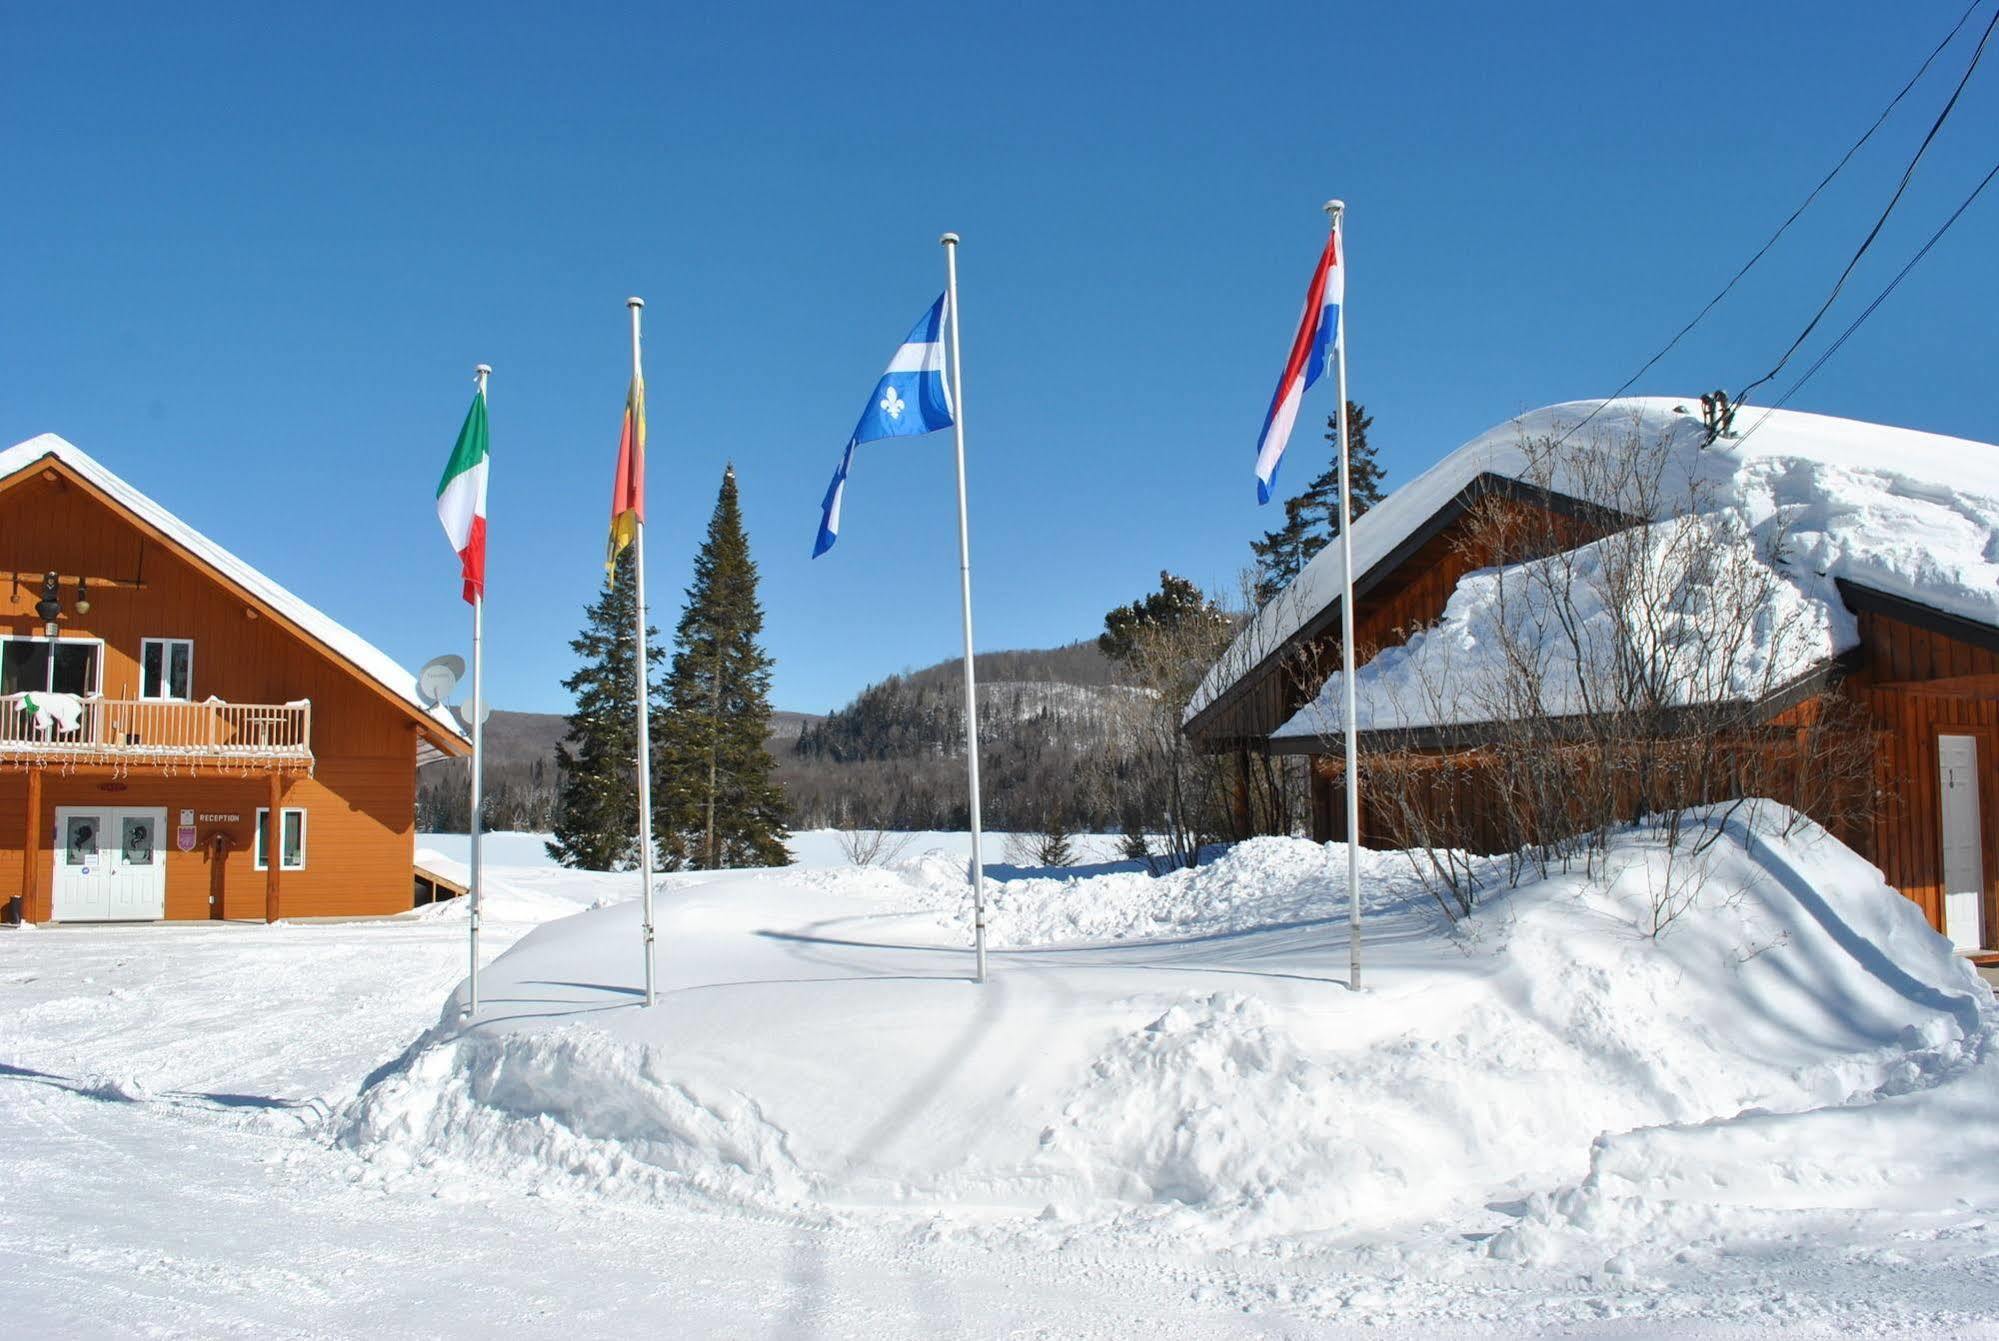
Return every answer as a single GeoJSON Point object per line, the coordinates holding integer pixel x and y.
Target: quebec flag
{"type": "Point", "coordinates": [910, 399]}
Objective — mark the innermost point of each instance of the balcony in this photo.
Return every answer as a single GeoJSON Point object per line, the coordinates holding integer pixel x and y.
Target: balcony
{"type": "Point", "coordinates": [139, 733]}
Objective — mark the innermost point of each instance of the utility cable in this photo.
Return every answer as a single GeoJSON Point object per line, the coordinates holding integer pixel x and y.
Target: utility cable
{"type": "Point", "coordinates": [1868, 311]}
{"type": "Point", "coordinates": [1824, 182]}
{"type": "Point", "coordinates": [1875, 231]}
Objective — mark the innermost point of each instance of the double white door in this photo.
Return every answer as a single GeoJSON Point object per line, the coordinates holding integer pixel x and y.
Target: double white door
{"type": "Point", "coordinates": [110, 865]}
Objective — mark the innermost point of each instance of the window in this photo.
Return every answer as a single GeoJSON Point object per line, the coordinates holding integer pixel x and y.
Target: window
{"type": "Point", "coordinates": [294, 839]}
{"type": "Point", "coordinates": [62, 666]}
{"type": "Point", "coordinates": [166, 667]}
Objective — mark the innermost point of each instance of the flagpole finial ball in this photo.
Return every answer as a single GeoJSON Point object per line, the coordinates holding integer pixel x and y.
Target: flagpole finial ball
{"type": "Point", "coordinates": [1336, 207]}
{"type": "Point", "coordinates": [635, 302]}
{"type": "Point", "coordinates": [949, 240]}
{"type": "Point", "coordinates": [483, 370]}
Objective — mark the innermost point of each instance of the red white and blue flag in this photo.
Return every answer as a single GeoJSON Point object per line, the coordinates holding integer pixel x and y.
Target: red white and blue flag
{"type": "Point", "coordinates": [1319, 333]}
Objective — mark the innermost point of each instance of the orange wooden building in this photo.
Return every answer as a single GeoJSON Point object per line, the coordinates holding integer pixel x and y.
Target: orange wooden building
{"type": "Point", "coordinates": [161, 702]}
{"type": "Point", "coordinates": [1924, 666]}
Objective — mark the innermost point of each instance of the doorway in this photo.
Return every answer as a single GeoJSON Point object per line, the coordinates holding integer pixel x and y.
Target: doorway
{"type": "Point", "coordinates": [109, 865]}
{"type": "Point", "coordinates": [1963, 842]}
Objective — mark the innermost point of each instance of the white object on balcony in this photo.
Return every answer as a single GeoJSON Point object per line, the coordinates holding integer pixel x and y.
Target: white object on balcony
{"type": "Point", "coordinates": [52, 710]}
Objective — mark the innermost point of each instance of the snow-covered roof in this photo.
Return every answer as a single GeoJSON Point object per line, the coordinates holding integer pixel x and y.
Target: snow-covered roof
{"type": "Point", "coordinates": [1912, 514]}
{"type": "Point", "coordinates": [367, 659]}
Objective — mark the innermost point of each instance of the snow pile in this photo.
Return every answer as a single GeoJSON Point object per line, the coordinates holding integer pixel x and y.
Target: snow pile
{"type": "Point", "coordinates": [1909, 513]}
{"type": "Point", "coordinates": [574, 1112]}
{"type": "Point", "coordinates": [1209, 1078]}
{"type": "Point", "coordinates": [1590, 616]}
{"type": "Point", "coordinates": [1265, 882]}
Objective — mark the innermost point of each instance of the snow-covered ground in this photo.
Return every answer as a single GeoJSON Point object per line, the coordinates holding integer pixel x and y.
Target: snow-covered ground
{"type": "Point", "coordinates": [1165, 1111]}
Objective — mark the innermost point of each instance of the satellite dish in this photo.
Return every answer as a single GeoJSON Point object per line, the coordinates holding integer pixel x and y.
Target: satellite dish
{"type": "Point", "coordinates": [438, 680]}
{"type": "Point", "coordinates": [464, 715]}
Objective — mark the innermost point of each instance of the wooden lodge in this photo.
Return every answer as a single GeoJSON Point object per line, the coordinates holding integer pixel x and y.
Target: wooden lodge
{"type": "Point", "coordinates": [170, 720]}
{"type": "Point", "coordinates": [1925, 679]}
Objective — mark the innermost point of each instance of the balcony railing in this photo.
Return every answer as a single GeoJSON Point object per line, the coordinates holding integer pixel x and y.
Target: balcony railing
{"type": "Point", "coordinates": [138, 732]}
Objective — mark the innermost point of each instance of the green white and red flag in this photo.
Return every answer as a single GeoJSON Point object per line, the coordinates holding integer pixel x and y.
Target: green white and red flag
{"type": "Point", "coordinates": [461, 498]}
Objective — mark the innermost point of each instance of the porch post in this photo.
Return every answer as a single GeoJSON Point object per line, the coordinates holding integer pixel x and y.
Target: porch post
{"type": "Point", "coordinates": [274, 844]}
{"type": "Point", "coordinates": [31, 851]}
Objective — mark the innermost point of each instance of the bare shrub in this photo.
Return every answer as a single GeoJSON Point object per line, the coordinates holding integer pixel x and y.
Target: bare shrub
{"type": "Point", "coordinates": [873, 847]}
{"type": "Point", "coordinates": [1641, 657]}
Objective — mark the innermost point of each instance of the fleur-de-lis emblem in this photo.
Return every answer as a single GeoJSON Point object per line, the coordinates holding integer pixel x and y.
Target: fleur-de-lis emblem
{"type": "Point", "coordinates": [892, 404]}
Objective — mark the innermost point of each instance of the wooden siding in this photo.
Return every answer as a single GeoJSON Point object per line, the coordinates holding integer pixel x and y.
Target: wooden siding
{"type": "Point", "coordinates": [360, 798]}
{"type": "Point", "coordinates": [1915, 683]}
{"type": "Point", "coordinates": [1920, 683]}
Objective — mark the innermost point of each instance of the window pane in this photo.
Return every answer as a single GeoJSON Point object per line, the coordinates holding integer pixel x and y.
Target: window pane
{"type": "Point", "coordinates": [76, 668]}
{"type": "Point", "coordinates": [263, 819]}
{"type": "Point", "coordinates": [80, 840]}
{"type": "Point", "coordinates": [294, 838]}
{"type": "Point", "coordinates": [24, 665]}
{"type": "Point", "coordinates": [138, 841]}
{"type": "Point", "coordinates": [182, 654]}
{"type": "Point", "coordinates": [149, 669]}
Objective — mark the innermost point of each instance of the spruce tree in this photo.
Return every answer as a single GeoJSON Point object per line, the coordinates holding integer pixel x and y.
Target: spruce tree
{"type": "Point", "coordinates": [1312, 519]}
{"type": "Point", "coordinates": [597, 796]}
{"type": "Point", "coordinates": [714, 802]}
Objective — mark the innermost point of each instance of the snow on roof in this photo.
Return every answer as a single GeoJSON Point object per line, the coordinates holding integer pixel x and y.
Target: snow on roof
{"type": "Point", "coordinates": [1690, 606]}
{"type": "Point", "coordinates": [1912, 514]}
{"type": "Point", "coordinates": [363, 655]}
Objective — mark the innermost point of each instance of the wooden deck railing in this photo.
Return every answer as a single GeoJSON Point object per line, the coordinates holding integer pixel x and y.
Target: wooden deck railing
{"type": "Point", "coordinates": [136, 732]}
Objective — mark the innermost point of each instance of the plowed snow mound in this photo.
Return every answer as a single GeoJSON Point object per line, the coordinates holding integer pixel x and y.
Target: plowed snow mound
{"type": "Point", "coordinates": [574, 1111]}
{"type": "Point", "coordinates": [1183, 1056]}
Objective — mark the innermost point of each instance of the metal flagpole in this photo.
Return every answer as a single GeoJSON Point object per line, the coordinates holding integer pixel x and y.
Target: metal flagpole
{"type": "Point", "coordinates": [1337, 208]}
{"type": "Point", "coordinates": [642, 677]}
{"type": "Point", "coordinates": [950, 243]}
{"type": "Point", "coordinates": [480, 374]}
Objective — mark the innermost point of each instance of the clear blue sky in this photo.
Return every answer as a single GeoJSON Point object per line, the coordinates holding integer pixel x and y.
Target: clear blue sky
{"type": "Point", "coordinates": [248, 257]}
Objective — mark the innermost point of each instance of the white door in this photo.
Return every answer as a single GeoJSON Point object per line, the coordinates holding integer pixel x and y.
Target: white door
{"type": "Point", "coordinates": [1963, 843]}
{"type": "Point", "coordinates": [110, 866]}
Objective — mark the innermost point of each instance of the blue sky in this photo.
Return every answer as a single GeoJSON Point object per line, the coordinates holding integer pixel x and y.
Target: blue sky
{"type": "Point", "coordinates": [249, 260]}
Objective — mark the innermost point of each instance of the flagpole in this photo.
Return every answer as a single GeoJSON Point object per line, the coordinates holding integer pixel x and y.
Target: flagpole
{"type": "Point", "coordinates": [950, 244]}
{"type": "Point", "coordinates": [1337, 208]}
{"type": "Point", "coordinates": [642, 680]}
{"type": "Point", "coordinates": [480, 374]}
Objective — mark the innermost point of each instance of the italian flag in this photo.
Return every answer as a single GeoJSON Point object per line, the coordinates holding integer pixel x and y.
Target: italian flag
{"type": "Point", "coordinates": [461, 498]}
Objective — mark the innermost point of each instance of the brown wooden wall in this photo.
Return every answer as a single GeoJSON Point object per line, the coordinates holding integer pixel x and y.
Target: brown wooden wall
{"type": "Point", "coordinates": [361, 797]}
{"type": "Point", "coordinates": [1914, 683]}
{"type": "Point", "coordinates": [1920, 683]}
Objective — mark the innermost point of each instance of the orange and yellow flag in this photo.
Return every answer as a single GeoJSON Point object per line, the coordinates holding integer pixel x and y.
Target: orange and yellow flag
{"type": "Point", "coordinates": [628, 490]}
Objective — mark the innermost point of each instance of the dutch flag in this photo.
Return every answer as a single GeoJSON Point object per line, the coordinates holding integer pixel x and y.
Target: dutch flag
{"type": "Point", "coordinates": [1319, 333]}
{"type": "Point", "coordinates": [910, 399]}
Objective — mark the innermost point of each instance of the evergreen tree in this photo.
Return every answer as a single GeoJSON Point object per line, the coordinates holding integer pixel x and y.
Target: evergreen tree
{"type": "Point", "coordinates": [597, 797]}
{"type": "Point", "coordinates": [1312, 519]}
{"type": "Point", "coordinates": [714, 802]}
{"type": "Point", "coordinates": [1176, 605]}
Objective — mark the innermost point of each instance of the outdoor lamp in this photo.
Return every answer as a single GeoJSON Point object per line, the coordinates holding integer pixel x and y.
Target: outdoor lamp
{"type": "Point", "coordinates": [82, 597]}
{"type": "Point", "coordinates": [49, 608]}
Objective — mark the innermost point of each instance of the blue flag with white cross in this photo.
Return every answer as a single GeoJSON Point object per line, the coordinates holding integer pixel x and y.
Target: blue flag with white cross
{"type": "Point", "coordinates": [910, 399]}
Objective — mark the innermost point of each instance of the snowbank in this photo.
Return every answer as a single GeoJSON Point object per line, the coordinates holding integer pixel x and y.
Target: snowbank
{"type": "Point", "coordinates": [1263, 883]}
{"type": "Point", "coordinates": [818, 1050]}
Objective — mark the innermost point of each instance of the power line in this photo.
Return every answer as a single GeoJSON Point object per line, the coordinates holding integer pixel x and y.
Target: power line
{"type": "Point", "coordinates": [1784, 227]}
{"type": "Point", "coordinates": [1879, 298]}
{"type": "Point", "coordinates": [1875, 231]}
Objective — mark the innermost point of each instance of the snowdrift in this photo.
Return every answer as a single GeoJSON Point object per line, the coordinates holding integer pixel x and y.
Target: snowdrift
{"type": "Point", "coordinates": [1182, 1057]}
